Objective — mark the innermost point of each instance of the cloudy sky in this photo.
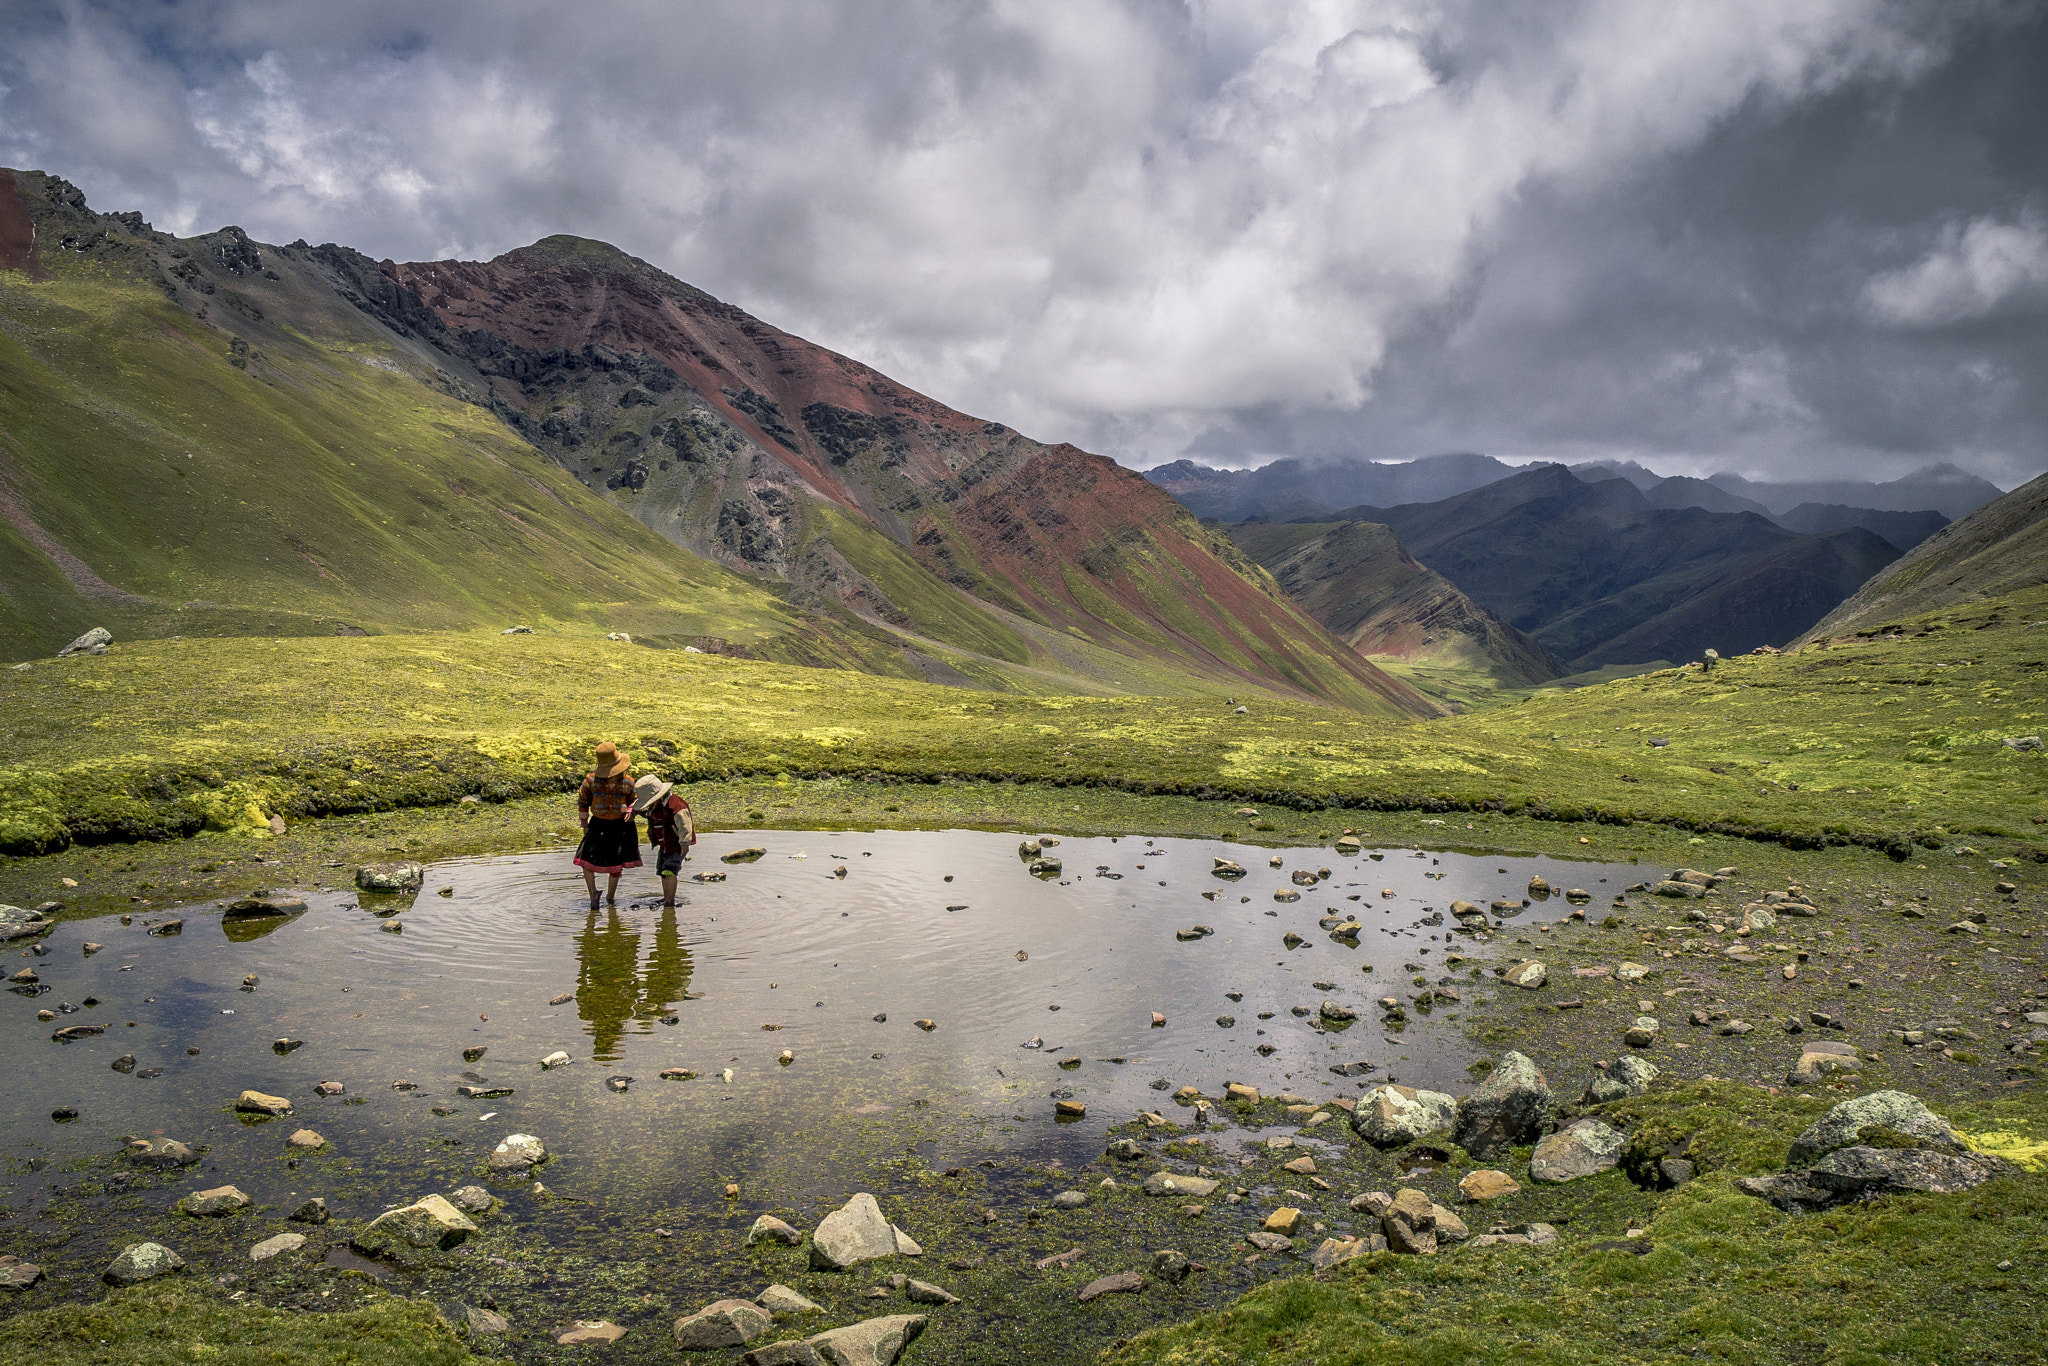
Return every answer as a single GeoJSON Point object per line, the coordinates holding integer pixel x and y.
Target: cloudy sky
{"type": "Point", "coordinates": [1774, 236]}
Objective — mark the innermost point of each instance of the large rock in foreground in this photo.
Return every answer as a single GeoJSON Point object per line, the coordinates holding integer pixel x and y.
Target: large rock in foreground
{"type": "Point", "coordinates": [1511, 1107]}
{"type": "Point", "coordinates": [1842, 1126]}
{"type": "Point", "coordinates": [871, 1342]}
{"type": "Point", "coordinates": [854, 1233]}
{"type": "Point", "coordinates": [404, 1234]}
{"type": "Point", "coordinates": [1391, 1115]}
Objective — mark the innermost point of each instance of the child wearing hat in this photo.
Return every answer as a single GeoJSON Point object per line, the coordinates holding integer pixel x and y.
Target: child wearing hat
{"type": "Point", "coordinates": [604, 806]}
{"type": "Point", "coordinates": [670, 829]}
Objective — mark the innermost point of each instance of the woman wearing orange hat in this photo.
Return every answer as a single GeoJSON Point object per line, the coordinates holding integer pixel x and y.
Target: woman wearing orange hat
{"type": "Point", "coordinates": [604, 806]}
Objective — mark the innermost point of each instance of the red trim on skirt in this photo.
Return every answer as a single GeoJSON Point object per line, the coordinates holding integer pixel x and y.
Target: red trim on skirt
{"type": "Point", "coordinates": [595, 868]}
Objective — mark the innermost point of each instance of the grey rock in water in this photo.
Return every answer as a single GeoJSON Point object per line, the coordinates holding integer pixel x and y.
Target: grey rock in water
{"type": "Point", "coordinates": [1069, 1200]}
{"type": "Point", "coordinates": [471, 1200]}
{"type": "Point", "coordinates": [314, 1211]}
{"type": "Point", "coordinates": [17, 923]}
{"type": "Point", "coordinates": [390, 877]}
{"type": "Point", "coordinates": [1170, 1264]}
{"type": "Point", "coordinates": [404, 1233]}
{"type": "Point", "coordinates": [271, 1247]}
{"type": "Point", "coordinates": [1175, 1183]}
{"type": "Point", "coordinates": [518, 1153]}
{"type": "Point", "coordinates": [1511, 1107]}
{"type": "Point", "coordinates": [218, 1201]}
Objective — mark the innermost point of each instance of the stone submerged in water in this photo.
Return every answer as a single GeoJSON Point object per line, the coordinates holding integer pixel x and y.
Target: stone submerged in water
{"type": "Point", "coordinates": [1391, 1115]}
{"type": "Point", "coordinates": [727, 1323]}
{"type": "Point", "coordinates": [1175, 1183]}
{"type": "Point", "coordinates": [429, 1225]}
{"type": "Point", "coordinates": [262, 905]}
{"type": "Point", "coordinates": [1511, 1107]}
{"type": "Point", "coordinates": [141, 1262]}
{"type": "Point", "coordinates": [517, 1153]}
{"type": "Point", "coordinates": [1583, 1148]}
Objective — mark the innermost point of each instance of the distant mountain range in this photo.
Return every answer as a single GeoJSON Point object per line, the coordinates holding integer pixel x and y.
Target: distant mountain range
{"type": "Point", "coordinates": [1292, 489]}
{"type": "Point", "coordinates": [216, 435]}
{"type": "Point", "coordinates": [1594, 572]}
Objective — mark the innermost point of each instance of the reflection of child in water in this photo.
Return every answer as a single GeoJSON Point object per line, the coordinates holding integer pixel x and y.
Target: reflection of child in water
{"type": "Point", "coordinates": [611, 989]}
{"type": "Point", "coordinates": [670, 829]}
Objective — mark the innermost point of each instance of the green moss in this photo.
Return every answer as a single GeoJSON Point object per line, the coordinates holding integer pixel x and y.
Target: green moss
{"type": "Point", "coordinates": [182, 1321]}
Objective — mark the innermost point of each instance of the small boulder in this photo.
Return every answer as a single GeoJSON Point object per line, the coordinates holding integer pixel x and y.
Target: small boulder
{"type": "Point", "coordinates": [727, 1323]}
{"type": "Point", "coordinates": [256, 1103]}
{"type": "Point", "coordinates": [1625, 1077]}
{"type": "Point", "coordinates": [871, 1342]}
{"type": "Point", "coordinates": [141, 1262]}
{"type": "Point", "coordinates": [1511, 1107]}
{"type": "Point", "coordinates": [390, 877]}
{"type": "Point", "coordinates": [1529, 976]}
{"type": "Point", "coordinates": [1410, 1223]}
{"type": "Point", "coordinates": [1176, 1183]}
{"type": "Point", "coordinates": [1391, 1115]}
{"type": "Point", "coordinates": [924, 1292]}
{"type": "Point", "coordinates": [1583, 1148]}
{"type": "Point", "coordinates": [215, 1202]}
{"type": "Point", "coordinates": [770, 1229]}
{"type": "Point", "coordinates": [780, 1299]}
{"type": "Point", "coordinates": [306, 1139]}
{"type": "Point", "coordinates": [430, 1224]}
{"type": "Point", "coordinates": [1892, 1110]}
{"type": "Point", "coordinates": [271, 1247]}
{"type": "Point", "coordinates": [854, 1233]}
{"type": "Point", "coordinates": [1122, 1283]}
{"type": "Point", "coordinates": [314, 1211]}
{"type": "Point", "coordinates": [1487, 1184]}
{"type": "Point", "coordinates": [471, 1200]}
{"type": "Point", "coordinates": [518, 1153]}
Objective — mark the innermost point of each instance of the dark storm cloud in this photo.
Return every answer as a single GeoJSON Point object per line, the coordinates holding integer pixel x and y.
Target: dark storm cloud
{"type": "Point", "coordinates": [1755, 234]}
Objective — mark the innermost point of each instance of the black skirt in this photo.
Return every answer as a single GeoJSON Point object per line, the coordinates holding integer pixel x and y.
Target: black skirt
{"type": "Point", "coordinates": [609, 846]}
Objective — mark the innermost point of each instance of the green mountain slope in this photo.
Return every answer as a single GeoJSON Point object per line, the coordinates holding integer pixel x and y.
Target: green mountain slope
{"type": "Point", "coordinates": [1356, 579]}
{"type": "Point", "coordinates": [213, 436]}
{"type": "Point", "coordinates": [2000, 548]}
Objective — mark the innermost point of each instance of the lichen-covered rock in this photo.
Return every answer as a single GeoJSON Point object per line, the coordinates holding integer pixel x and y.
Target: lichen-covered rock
{"type": "Point", "coordinates": [1584, 1148]}
{"type": "Point", "coordinates": [1627, 1076]}
{"type": "Point", "coordinates": [1892, 1110]}
{"type": "Point", "coordinates": [431, 1224]}
{"type": "Point", "coordinates": [1390, 1115]}
{"type": "Point", "coordinates": [141, 1262]}
{"type": "Point", "coordinates": [1512, 1106]}
{"type": "Point", "coordinates": [390, 877]}
{"type": "Point", "coordinates": [871, 1342]}
{"type": "Point", "coordinates": [518, 1153]}
{"type": "Point", "coordinates": [1529, 975]}
{"type": "Point", "coordinates": [727, 1323]}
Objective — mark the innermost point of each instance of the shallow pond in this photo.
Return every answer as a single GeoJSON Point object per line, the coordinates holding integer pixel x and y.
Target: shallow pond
{"type": "Point", "coordinates": [787, 953]}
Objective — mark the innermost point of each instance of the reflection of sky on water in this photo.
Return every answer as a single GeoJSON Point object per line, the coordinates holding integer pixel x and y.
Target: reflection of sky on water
{"type": "Point", "coordinates": [995, 957]}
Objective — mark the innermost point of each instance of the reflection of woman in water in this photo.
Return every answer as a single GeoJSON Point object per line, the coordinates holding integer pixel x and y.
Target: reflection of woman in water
{"type": "Point", "coordinates": [609, 988]}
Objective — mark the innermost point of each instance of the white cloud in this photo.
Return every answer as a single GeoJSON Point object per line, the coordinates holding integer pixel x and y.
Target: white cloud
{"type": "Point", "coordinates": [1975, 269]}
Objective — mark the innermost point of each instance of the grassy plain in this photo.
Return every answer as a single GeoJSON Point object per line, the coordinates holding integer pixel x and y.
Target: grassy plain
{"type": "Point", "coordinates": [1882, 742]}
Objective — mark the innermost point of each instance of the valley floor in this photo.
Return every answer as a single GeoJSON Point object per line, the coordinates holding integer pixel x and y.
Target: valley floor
{"type": "Point", "coordinates": [1874, 775]}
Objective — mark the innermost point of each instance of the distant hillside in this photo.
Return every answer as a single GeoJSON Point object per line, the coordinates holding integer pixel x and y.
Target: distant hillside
{"type": "Point", "coordinates": [1903, 529]}
{"type": "Point", "coordinates": [1355, 578]}
{"type": "Point", "coordinates": [1941, 488]}
{"type": "Point", "coordinates": [1294, 488]}
{"type": "Point", "coordinates": [1602, 577]}
{"type": "Point", "coordinates": [219, 436]}
{"type": "Point", "coordinates": [2000, 548]}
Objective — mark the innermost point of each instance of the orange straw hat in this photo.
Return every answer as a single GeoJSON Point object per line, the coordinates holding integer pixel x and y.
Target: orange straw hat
{"type": "Point", "coordinates": [610, 760]}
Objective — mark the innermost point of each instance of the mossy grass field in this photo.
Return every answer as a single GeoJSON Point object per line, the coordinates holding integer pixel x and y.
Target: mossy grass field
{"type": "Point", "coordinates": [1895, 742]}
{"type": "Point", "coordinates": [1871, 771]}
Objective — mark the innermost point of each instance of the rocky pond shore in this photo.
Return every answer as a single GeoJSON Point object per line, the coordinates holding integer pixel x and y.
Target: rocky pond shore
{"type": "Point", "coordinates": [1800, 1032]}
